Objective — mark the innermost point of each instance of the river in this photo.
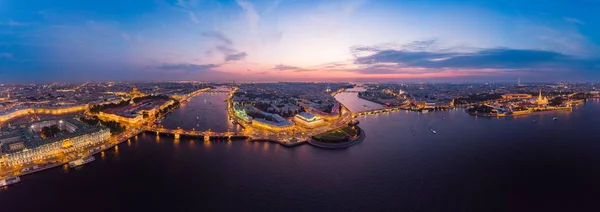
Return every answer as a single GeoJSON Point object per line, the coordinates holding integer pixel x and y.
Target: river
{"type": "Point", "coordinates": [471, 164]}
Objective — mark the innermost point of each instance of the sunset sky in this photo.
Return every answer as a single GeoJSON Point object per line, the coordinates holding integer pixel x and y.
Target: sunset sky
{"type": "Point", "coordinates": [280, 40]}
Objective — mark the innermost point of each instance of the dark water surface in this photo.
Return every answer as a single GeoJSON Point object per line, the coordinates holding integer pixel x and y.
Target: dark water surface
{"type": "Point", "coordinates": [471, 164]}
{"type": "Point", "coordinates": [203, 112]}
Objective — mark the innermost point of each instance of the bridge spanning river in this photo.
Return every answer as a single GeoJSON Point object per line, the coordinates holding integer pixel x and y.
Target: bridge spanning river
{"type": "Point", "coordinates": [177, 133]}
{"type": "Point", "coordinates": [217, 91]}
{"type": "Point", "coordinates": [376, 111]}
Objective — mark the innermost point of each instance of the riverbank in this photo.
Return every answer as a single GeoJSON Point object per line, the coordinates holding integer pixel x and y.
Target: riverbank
{"type": "Point", "coordinates": [522, 113]}
{"type": "Point", "coordinates": [67, 159]}
{"type": "Point", "coordinates": [286, 144]}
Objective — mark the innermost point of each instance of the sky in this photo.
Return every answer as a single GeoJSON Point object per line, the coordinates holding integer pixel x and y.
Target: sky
{"type": "Point", "coordinates": [299, 40]}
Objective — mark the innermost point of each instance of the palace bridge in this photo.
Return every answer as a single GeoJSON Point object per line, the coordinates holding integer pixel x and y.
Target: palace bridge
{"type": "Point", "coordinates": [376, 111]}
{"type": "Point", "coordinates": [177, 133]}
{"type": "Point", "coordinates": [217, 91]}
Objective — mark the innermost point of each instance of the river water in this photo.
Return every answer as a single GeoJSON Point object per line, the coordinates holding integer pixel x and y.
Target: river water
{"type": "Point", "coordinates": [471, 164]}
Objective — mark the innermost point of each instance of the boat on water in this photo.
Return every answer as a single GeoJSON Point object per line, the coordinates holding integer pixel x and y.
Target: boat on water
{"type": "Point", "coordinates": [534, 121]}
{"type": "Point", "coordinates": [82, 161]}
{"type": "Point", "coordinates": [9, 181]}
{"type": "Point", "coordinates": [197, 117]}
{"type": "Point", "coordinates": [555, 118]}
{"type": "Point", "coordinates": [433, 131]}
{"type": "Point", "coordinates": [414, 133]}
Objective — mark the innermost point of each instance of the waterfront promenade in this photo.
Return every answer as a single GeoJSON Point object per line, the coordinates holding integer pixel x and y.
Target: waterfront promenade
{"type": "Point", "coordinates": [60, 161]}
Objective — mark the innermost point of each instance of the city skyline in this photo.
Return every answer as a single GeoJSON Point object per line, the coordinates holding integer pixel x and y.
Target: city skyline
{"type": "Point", "coordinates": [267, 41]}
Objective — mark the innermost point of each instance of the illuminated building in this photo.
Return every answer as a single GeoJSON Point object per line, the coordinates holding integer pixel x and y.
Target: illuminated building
{"type": "Point", "coordinates": [114, 117]}
{"type": "Point", "coordinates": [335, 111]}
{"type": "Point", "coordinates": [308, 120]}
{"type": "Point", "coordinates": [517, 96]}
{"type": "Point", "coordinates": [49, 111]}
{"type": "Point", "coordinates": [135, 93]}
{"type": "Point", "coordinates": [134, 113]}
{"type": "Point", "coordinates": [272, 122]}
{"type": "Point", "coordinates": [272, 125]}
{"type": "Point", "coordinates": [23, 144]}
{"type": "Point", "coordinates": [542, 100]}
{"type": "Point", "coordinates": [421, 104]}
{"type": "Point", "coordinates": [240, 112]}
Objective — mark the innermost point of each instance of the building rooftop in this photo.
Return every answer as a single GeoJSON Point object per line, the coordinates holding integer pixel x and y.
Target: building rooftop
{"type": "Point", "coordinates": [30, 138]}
{"type": "Point", "coordinates": [308, 117]}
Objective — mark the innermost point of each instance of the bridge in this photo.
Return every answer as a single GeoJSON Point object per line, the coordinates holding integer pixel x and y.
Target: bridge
{"type": "Point", "coordinates": [177, 133]}
{"type": "Point", "coordinates": [217, 91]}
{"type": "Point", "coordinates": [376, 111]}
{"type": "Point", "coordinates": [346, 91]}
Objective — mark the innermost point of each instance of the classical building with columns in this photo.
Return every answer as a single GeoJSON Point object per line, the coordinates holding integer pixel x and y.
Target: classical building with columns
{"type": "Point", "coordinates": [22, 144]}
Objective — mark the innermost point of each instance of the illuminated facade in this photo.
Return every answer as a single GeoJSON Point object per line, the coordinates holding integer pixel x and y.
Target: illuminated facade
{"type": "Point", "coordinates": [542, 100]}
{"type": "Point", "coordinates": [118, 118]}
{"type": "Point", "coordinates": [517, 96]}
{"type": "Point", "coordinates": [134, 118]}
{"type": "Point", "coordinates": [308, 120]}
{"type": "Point", "coordinates": [335, 111]}
{"type": "Point", "coordinates": [22, 144]}
{"type": "Point", "coordinates": [272, 126]}
{"type": "Point", "coordinates": [240, 112]}
{"type": "Point", "coordinates": [48, 111]}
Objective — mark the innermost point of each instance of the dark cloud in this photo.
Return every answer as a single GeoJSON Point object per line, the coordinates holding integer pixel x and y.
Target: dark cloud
{"type": "Point", "coordinates": [494, 58]}
{"type": "Point", "coordinates": [282, 67]}
{"type": "Point", "coordinates": [187, 67]}
{"type": "Point", "coordinates": [230, 53]}
{"type": "Point", "coordinates": [394, 69]}
{"type": "Point", "coordinates": [424, 45]}
{"type": "Point", "coordinates": [236, 56]}
{"type": "Point", "coordinates": [227, 50]}
{"type": "Point", "coordinates": [219, 36]}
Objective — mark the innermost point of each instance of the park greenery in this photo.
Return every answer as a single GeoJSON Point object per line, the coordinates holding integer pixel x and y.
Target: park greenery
{"type": "Point", "coordinates": [339, 135]}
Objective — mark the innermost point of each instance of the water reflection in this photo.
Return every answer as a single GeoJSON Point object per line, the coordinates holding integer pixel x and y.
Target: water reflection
{"type": "Point", "coordinates": [207, 144]}
{"type": "Point", "coordinates": [192, 144]}
{"type": "Point", "coordinates": [176, 143]}
{"type": "Point", "coordinates": [228, 144]}
{"type": "Point", "coordinates": [116, 151]}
